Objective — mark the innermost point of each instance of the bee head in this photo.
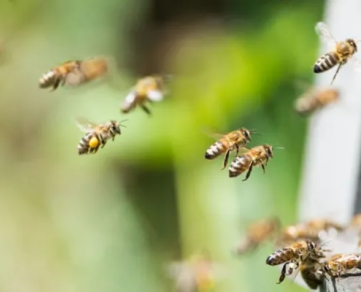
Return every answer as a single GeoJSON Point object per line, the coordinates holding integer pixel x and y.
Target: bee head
{"type": "Point", "coordinates": [269, 150]}
{"type": "Point", "coordinates": [311, 246]}
{"type": "Point", "coordinates": [352, 43]}
{"type": "Point", "coordinates": [114, 127]}
{"type": "Point", "coordinates": [246, 134]}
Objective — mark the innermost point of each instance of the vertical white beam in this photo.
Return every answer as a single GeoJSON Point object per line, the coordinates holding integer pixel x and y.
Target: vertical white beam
{"type": "Point", "coordinates": [332, 154]}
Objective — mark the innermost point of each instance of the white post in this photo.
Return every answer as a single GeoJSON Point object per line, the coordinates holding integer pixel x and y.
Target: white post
{"type": "Point", "coordinates": [332, 155]}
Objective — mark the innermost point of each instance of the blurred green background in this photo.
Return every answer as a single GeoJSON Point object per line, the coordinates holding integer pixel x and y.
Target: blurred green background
{"type": "Point", "coordinates": [113, 221]}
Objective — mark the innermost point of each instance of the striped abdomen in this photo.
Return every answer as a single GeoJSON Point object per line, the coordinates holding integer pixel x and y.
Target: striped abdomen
{"type": "Point", "coordinates": [90, 143]}
{"type": "Point", "coordinates": [326, 62]}
{"type": "Point", "coordinates": [281, 256]}
{"type": "Point", "coordinates": [217, 149]}
{"type": "Point", "coordinates": [240, 164]}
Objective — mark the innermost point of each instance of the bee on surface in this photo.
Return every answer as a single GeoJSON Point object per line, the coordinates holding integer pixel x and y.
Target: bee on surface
{"type": "Point", "coordinates": [314, 99]}
{"type": "Point", "coordinates": [308, 230]}
{"type": "Point", "coordinates": [150, 88]}
{"type": "Point", "coordinates": [96, 135]}
{"type": "Point", "coordinates": [341, 53]}
{"type": "Point", "coordinates": [340, 263]}
{"type": "Point", "coordinates": [293, 255]}
{"type": "Point", "coordinates": [309, 273]}
{"type": "Point", "coordinates": [257, 233]}
{"type": "Point", "coordinates": [256, 156]}
{"type": "Point", "coordinates": [75, 72]}
{"type": "Point", "coordinates": [232, 141]}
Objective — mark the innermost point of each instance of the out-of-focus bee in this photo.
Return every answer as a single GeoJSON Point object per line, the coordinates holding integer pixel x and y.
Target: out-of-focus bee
{"type": "Point", "coordinates": [232, 141]}
{"type": "Point", "coordinates": [315, 99]}
{"type": "Point", "coordinates": [308, 230]}
{"type": "Point", "coordinates": [256, 156]}
{"type": "Point", "coordinates": [309, 273]}
{"type": "Point", "coordinates": [292, 256]}
{"type": "Point", "coordinates": [257, 233]}
{"type": "Point", "coordinates": [147, 89]}
{"type": "Point", "coordinates": [97, 135]}
{"type": "Point", "coordinates": [341, 53]}
{"type": "Point", "coordinates": [198, 274]}
{"type": "Point", "coordinates": [340, 263]}
{"type": "Point", "coordinates": [75, 72]}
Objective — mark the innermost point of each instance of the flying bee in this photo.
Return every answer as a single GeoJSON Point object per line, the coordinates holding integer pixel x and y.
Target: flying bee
{"type": "Point", "coordinates": [96, 135]}
{"type": "Point", "coordinates": [231, 141]}
{"type": "Point", "coordinates": [308, 230]}
{"type": "Point", "coordinates": [75, 72]}
{"type": "Point", "coordinates": [147, 89]}
{"type": "Point", "coordinates": [309, 273]}
{"type": "Point", "coordinates": [293, 255]}
{"type": "Point", "coordinates": [199, 273]}
{"type": "Point", "coordinates": [315, 99]}
{"type": "Point", "coordinates": [256, 156]}
{"type": "Point", "coordinates": [340, 263]}
{"type": "Point", "coordinates": [341, 53]}
{"type": "Point", "coordinates": [257, 233]}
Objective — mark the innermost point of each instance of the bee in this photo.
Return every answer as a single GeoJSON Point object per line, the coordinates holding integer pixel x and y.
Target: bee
{"type": "Point", "coordinates": [74, 73]}
{"type": "Point", "coordinates": [340, 263]}
{"type": "Point", "coordinates": [341, 53]}
{"type": "Point", "coordinates": [309, 273]}
{"type": "Point", "coordinates": [313, 100]}
{"type": "Point", "coordinates": [256, 156]}
{"type": "Point", "coordinates": [96, 135]}
{"type": "Point", "coordinates": [199, 273]}
{"type": "Point", "coordinates": [150, 88]}
{"type": "Point", "coordinates": [231, 141]}
{"type": "Point", "coordinates": [257, 233]}
{"type": "Point", "coordinates": [293, 255]}
{"type": "Point", "coordinates": [308, 230]}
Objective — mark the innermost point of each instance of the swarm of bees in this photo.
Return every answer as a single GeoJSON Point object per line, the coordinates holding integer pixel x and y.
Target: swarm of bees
{"type": "Point", "coordinates": [79, 72]}
{"type": "Point", "coordinates": [302, 248]}
{"type": "Point", "coordinates": [298, 247]}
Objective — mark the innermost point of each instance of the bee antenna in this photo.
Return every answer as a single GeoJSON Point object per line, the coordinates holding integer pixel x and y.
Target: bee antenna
{"type": "Point", "coordinates": [120, 123]}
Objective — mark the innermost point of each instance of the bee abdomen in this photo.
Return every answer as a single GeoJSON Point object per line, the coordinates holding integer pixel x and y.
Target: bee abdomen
{"type": "Point", "coordinates": [238, 165]}
{"type": "Point", "coordinates": [215, 150]}
{"type": "Point", "coordinates": [47, 79]}
{"type": "Point", "coordinates": [279, 257]}
{"type": "Point", "coordinates": [83, 146]}
{"type": "Point", "coordinates": [326, 62]}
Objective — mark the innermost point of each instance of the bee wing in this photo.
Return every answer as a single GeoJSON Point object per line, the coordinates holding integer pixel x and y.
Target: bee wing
{"type": "Point", "coordinates": [155, 95]}
{"type": "Point", "coordinates": [357, 64]}
{"type": "Point", "coordinates": [85, 125]}
{"type": "Point", "coordinates": [324, 33]}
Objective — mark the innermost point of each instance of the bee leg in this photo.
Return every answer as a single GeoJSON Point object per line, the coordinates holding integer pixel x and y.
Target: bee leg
{"type": "Point", "coordinates": [237, 148]}
{"type": "Point", "coordinates": [56, 84]}
{"type": "Point", "coordinates": [283, 274]}
{"type": "Point", "coordinates": [264, 168]}
{"type": "Point", "coordinates": [338, 69]}
{"type": "Point", "coordinates": [146, 109]}
{"type": "Point", "coordinates": [103, 142]}
{"type": "Point", "coordinates": [249, 172]}
{"type": "Point", "coordinates": [225, 161]}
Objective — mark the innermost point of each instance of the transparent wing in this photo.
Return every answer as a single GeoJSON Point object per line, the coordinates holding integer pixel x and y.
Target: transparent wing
{"type": "Point", "coordinates": [357, 64]}
{"type": "Point", "coordinates": [324, 33]}
{"type": "Point", "coordinates": [85, 125]}
{"type": "Point", "coordinates": [155, 95]}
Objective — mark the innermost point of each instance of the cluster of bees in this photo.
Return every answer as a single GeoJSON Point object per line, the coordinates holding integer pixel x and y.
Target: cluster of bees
{"type": "Point", "coordinates": [301, 247]}
{"type": "Point", "coordinates": [75, 73]}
